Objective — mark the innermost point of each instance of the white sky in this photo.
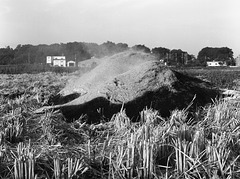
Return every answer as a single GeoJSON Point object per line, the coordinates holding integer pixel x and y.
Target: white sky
{"type": "Point", "coordinates": [189, 25]}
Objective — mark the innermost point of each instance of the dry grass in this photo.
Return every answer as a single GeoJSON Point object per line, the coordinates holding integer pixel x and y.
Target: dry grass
{"type": "Point", "coordinates": [45, 146]}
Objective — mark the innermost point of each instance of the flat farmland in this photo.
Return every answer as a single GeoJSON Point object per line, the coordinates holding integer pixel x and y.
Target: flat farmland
{"type": "Point", "coordinates": [227, 78]}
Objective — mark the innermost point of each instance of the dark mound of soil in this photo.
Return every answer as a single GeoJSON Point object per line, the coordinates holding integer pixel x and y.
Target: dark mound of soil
{"type": "Point", "coordinates": [135, 80]}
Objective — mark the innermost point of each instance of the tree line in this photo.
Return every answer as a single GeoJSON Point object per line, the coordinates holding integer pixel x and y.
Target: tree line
{"type": "Point", "coordinates": [79, 51]}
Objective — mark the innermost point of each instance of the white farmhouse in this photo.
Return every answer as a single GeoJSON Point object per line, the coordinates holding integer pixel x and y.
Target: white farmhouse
{"type": "Point", "coordinates": [57, 61]}
{"type": "Point", "coordinates": [215, 63]}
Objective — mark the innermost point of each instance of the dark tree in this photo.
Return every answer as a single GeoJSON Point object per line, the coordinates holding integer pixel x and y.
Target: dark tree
{"type": "Point", "coordinates": [109, 48]}
{"type": "Point", "coordinates": [223, 54]}
{"type": "Point", "coordinates": [76, 51]}
{"type": "Point", "coordinates": [22, 54]}
{"type": "Point", "coordinates": [122, 47]}
{"type": "Point", "coordinates": [142, 48]}
{"type": "Point", "coordinates": [178, 57]}
{"type": "Point", "coordinates": [6, 55]}
{"type": "Point", "coordinates": [161, 52]}
{"type": "Point", "coordinates": [106, 49]}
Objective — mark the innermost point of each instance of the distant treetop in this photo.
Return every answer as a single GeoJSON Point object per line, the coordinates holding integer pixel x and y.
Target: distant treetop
{"type": "Point", "coordinates": [223, 54]}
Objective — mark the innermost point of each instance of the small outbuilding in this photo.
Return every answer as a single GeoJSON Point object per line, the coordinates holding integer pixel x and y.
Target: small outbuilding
{"type": "Point", "coordinates": [71, 63]}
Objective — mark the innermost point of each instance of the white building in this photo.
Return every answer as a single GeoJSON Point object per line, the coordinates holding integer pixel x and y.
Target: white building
{"type": "Point", "coordinates": [216, 64]}
{"type": "Point", "coordinates": [71, 63]}
{"type": "Point", "coordinates": [238, 61]}
{"type": "Point", "coordinates": [57, 61]}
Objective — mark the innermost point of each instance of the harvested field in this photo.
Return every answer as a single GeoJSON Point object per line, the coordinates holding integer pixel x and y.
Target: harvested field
{"type": "Point", "coordinates": [47, 146]}
{"type": "Point", "coordinates": [227, 78]}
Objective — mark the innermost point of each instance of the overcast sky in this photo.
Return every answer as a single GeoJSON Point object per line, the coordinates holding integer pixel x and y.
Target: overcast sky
{"type": "Point", "coordinates": [189, 25]}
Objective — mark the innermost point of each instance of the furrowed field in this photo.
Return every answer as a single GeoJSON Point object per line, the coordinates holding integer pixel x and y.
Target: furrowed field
{"type": "Point", "coordinates": [46, 146]}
